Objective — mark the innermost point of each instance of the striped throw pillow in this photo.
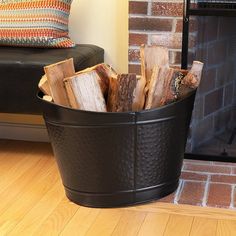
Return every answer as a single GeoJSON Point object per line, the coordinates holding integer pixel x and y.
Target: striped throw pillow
{"type": "Point", "coordinates": [35, 23]}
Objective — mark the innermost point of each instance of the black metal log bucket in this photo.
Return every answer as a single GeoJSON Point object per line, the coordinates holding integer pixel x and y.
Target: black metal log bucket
{"type": "Point", "coordinates": [118, 159]}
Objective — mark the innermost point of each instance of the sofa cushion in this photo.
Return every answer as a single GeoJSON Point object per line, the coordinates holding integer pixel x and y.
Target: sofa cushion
{"type": "Point", "coordinates": [22, 68]}
{"type": "Point", "coordinates": [35, 23]}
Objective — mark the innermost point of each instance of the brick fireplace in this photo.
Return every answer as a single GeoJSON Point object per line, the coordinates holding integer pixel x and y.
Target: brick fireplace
{"type": "Point", "coordinates": [154, 22]}
{"type": "Point", "coordinates": [211, 40]}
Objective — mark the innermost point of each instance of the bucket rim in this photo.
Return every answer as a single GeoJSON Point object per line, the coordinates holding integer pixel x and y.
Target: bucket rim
{"type": "Point", "coordinates": [40, 94]}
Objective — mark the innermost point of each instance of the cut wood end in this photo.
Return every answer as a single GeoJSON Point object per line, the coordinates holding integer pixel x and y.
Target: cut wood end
{"type": "Point", "coordinates": [70, 60]}
{"type": "Point", "coordinates": [55, 74]}
{"type": "Point", "coordinates": [44, 85]}
{"type": "Point", "coordinates": [47, 98]}
{"type": "Point", "coordinates": [198, 62]}
{"type": "Point", "coordinates": [152, 55]}
{"type": "Point", "coordinates": [42, 80]}
{"type": "Point", "coordinates": [104, 72]}
{"type": "Point", "coordinates": [84, 92]}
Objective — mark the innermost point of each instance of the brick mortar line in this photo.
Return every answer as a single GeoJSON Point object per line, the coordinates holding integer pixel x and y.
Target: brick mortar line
{"type": "Point", "coordinates": [155, 32]}
{"type": "Point", "coordinates": [134, 47]}
{"type": "Point", "coordinates": [193, 180]}
{"type": "Point", "coordinates": [186, 161]}
{"type": "Point", "coordinates": [174, 25]}
{"type": "Point", "coordinates": [206, 192]}
{"type": "Point", "coordinates": [154, 17]}
{"type": "Point", "coordinates": [149, 39]}
{"type": "Point", "coordinates": [167, 33]}
{"type": "Point", "coordinates": [170, 49]}
{"type": "Point", "coordinates": [205, 181]}
{"type": "Point", "coordinates": [232, 197]}
{"type": "Point", "coordinates": [232, 170]}
{"type": "Point", "coordinates": [138, 63]}
{"type": "Point", "coordinates": [208, 173]}
{"type": "Point", "coordinates": [149, 8]}
{"type": "Point", "coordinates": [150, 32]}
{"type": "Point", "coordinates": [179, 191]}
{"type": "Point", "coordinates": [134, 63]}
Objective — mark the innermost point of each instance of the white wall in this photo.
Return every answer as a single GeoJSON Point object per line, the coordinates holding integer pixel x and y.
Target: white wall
{"type": "Point", "coordinates": [100, 22]}
{"type": "Point", "coordinates": [103, 23]}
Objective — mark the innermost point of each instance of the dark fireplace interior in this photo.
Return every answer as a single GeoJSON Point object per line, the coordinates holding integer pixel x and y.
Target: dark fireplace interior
{"type": "Point", "coordinates": [213, 127]}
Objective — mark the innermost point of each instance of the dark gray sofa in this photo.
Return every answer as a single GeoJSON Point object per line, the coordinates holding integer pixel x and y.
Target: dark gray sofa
{"type": "Point", "coordinates": [22, 68]}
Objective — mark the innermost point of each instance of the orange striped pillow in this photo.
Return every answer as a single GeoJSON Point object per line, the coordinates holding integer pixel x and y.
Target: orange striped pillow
{"type": "Point", "coordinates": [35, 23]}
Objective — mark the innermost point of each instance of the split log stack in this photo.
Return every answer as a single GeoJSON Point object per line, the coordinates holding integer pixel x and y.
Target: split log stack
{"type": "Point", "coordinates": [101, 89]}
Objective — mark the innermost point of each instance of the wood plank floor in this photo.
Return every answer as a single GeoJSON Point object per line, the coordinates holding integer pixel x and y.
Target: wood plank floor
{"type": "Point", "coordinates": [33, 203]}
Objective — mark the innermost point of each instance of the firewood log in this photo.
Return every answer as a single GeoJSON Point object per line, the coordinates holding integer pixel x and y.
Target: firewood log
{"type": "Point", "coordinates": [84, 92]}
{"type": "Point", "coordinates": [152, 56]}
{"type": "Point", "coordinates": [192, 80]}
{"type": "Point", "coordinates": [121, 93]}
{"type": "Point", "coordinates": [139, 94]}
{"type": "Point", "coordinates": [172, 86]}
{"type": "Point", "coordinates": [55, 74]}
{"type": "Point", "coordinates": [159, 89]}
{"type": "Point", "coordinates": [44, 86]}
{"type": "Point", "coordinates": [175, 85]}
{"type": "Point", "coordinates": [104, 72]}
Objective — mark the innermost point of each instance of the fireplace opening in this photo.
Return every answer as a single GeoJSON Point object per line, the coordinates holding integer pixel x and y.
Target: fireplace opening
{"type": "Point", "coordinates": [213, 127]}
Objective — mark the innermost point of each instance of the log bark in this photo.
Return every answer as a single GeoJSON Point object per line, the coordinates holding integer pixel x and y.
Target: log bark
{"type": "Point", "coordinates": [121, 93]}
{"type": "Point", "coordinates": [175, 85]}
{"type": "Point", "coordinates": [55, 74]}
{"type": "Point", "coordinates": [172, 86]}
{"type": "Point", "coordinates": [84, 92]}
{"type": "Point", "coordinates": [44, 86]}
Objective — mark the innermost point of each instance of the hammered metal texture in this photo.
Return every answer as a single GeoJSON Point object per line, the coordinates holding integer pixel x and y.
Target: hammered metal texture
{"type": "Point", "coordinates": [160, 149]}
{"type": "Point", "coordinates": [94, 159]}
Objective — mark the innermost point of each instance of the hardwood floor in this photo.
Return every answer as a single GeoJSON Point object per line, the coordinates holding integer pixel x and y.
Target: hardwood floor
{"type": "Point", "coordinates": [33, 203]}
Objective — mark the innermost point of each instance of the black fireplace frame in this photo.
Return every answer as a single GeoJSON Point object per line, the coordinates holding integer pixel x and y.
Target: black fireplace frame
{"type": "Point", "coordinates": [205, 8]}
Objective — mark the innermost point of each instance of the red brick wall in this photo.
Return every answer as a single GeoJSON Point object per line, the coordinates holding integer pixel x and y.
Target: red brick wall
{"type": "Point", "coordinates": [154, 22]}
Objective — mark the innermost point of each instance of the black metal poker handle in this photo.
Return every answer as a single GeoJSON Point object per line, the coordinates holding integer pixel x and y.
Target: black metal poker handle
{"type": "Point", "coordinates": [185, 35]}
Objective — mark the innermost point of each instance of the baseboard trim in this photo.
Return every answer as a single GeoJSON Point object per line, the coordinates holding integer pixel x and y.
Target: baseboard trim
{"type": "Point", "coordinates": [26, 132]}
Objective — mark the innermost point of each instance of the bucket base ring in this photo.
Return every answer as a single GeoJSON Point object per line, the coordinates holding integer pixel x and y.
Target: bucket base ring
{"type": "Point", "coordinates": [121, 199]}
